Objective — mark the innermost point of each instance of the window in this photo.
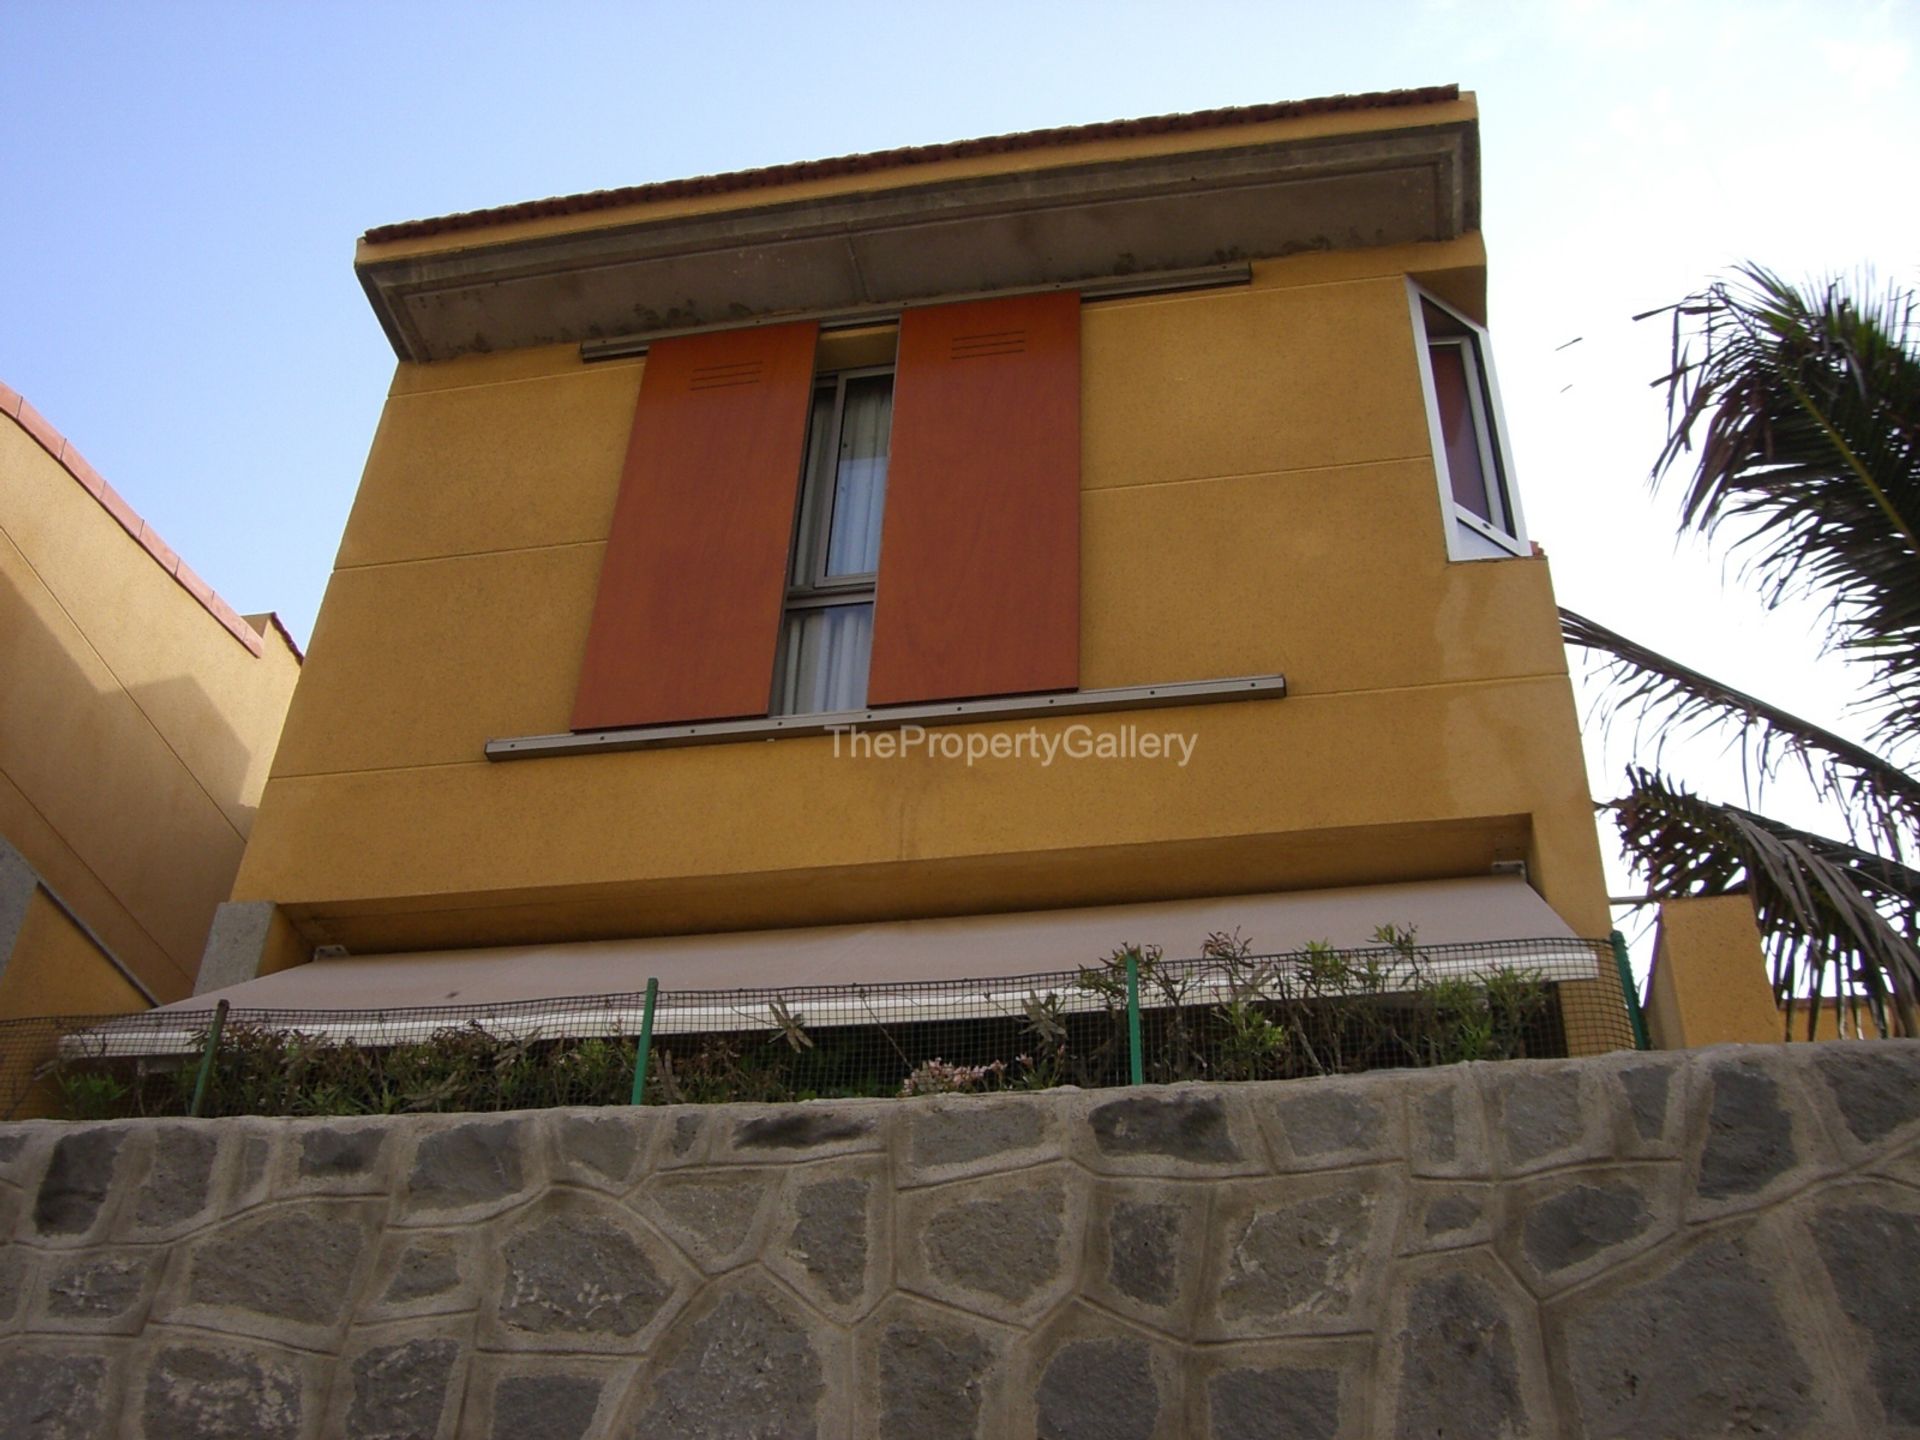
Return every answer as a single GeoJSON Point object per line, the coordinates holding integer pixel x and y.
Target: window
{"type": "Point", "coordinates": [826, 638]}
{"type": "Point", "coordinates": [745, 571]}
{"type": "Point", "coordinates": [1469, 448]}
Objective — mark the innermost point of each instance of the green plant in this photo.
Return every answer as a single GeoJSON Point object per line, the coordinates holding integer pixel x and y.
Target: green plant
{"type": "Point", "coordinates": [1792, 421]}
{"type": "Point", "coordinates": [89, 1094]}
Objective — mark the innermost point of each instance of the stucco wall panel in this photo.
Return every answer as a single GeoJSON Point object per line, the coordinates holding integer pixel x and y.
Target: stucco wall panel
{"type": "Point", "coordinates": [85, 755]}
{"type": "Point", "coordinates": [1438, 753]}
{"type": "Point", "coordinates": [215, 703]}
{"type": "Point", "coordinates": [1336, 578]}
{"type": "Point", "coordinates": [502, 462]}
{"type": "Point", "coordinates": [1237, 382]}
{"type": "Point", "coordinates": [55, 969]}
{"type": "Point", "coordinates": [422, 663]}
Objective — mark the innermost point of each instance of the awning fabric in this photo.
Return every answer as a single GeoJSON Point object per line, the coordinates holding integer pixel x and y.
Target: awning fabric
{"type": "Point", "coordinates": [1441, 912]}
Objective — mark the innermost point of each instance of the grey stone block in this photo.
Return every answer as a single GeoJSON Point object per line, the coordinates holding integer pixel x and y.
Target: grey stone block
{"type": "Point", "coordinates": [804, 1128]}
{"type": "Point", "coordinates": [1689, 1350]}
{"type": "Point", "coordinates": [1187, 1127]}
{"type": "Point", "coordinates": [235, 944]}
{"type": "Point", "coordinates": [179, 1182]}
{"type": "Point", "coordinates": [1875, 1086]}
{"type": "Point", "coordinates": [604, 1147]}
{"type": "Point", "coordinates": [101, 1290]}
{"type": "Point", "coordinates": [743, 1366]}
{"type": "Point", "coordinates": [1647, 1089]}
{"type": "Point", "coordinates": [1282, 1403]}
{"type": "Point", "coordinates": [1459, 1370]}
{"type": "Point", "coordinates": [579, 1274]}
{"type": "Point", "coordinates": [256, 1156]}
{"type": "Point", "coordinates": [1302, 1258]}
{"type": "Point", "coordinates": [1872, 1255]}
{"type": "Point", "coordinates": [1332, 1125]}
{"type": "Point", "coordinates": [342, 1152]}
{"type": "Point", "coordinates": [974, 1135]}
{"type": "Point", "coordinates": [1541, 1115]}
{"type": "Point", "coordinates": [54, 1395]}
{"type": "Point", "coordinates": [829, 1239]}
{"type": "Point", "coordinates": [78, 1180]}
{"type": "Point", "coordinates": [425, 1269]}
{"type": "Point", "coordinates": [712, 1214]}
{"type": "Point", "coordinates": [1098, 1390]}
{"type": "Point", "coordinates": [221, 1393]}
{"type": "Point", "coordinates": [1009, 1245]}
{"type": "Point", "coordinates": [293, 1263]}
{"type": "Point", "coordinates": [544, 1407]}
{"type": "Point", "coordinates": [933, 1379]}
{"type": "Point", "coordinates": [1447, 1217]}
{"type": "Point", "coordinates": [400, 1392]}
{"type": "Point", "coordinates": [16, 1281]}
{"type": "Point", "coordinates": [1446, 1126]}
{"type": "Point", "coordinates": [479, 1163]}
{"type": "Point", "coordinates": [1144, 1245]}
{"type": "Point", "coordinates": [1749, 1138]}
{"type": "Point", "coordinates": [683, 1140]}
{"type": "Point", "coordinates": [1564, 1227]}
{"type": "Point", "coordinates": [18, 881]}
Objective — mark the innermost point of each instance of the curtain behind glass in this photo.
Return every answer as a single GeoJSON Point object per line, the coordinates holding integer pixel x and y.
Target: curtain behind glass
{"type": "Point", "coordinates": [1460, 435]}
{"type": "Point", "coordinates": [826, 654]}
{"type": "Point", "coordinates": [860, 480]}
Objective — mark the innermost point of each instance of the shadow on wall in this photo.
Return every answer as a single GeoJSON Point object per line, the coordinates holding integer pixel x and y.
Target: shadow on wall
{"type": "Point", "coordinates": [125, 781]}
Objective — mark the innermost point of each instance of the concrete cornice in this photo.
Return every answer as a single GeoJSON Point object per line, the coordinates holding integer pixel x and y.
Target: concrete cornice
{"type": "Point", "coordinates": [1132, 215]}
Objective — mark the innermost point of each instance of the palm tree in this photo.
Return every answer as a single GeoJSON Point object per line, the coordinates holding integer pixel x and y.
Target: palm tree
{"type": "Point", "coordinates": [1794, 428]}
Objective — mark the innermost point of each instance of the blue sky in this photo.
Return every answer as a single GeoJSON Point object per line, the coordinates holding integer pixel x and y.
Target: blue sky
{"type": "Point", "coordinates": [185, 181]}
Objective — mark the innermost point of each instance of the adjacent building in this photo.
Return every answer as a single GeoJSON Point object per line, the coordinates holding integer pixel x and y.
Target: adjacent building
{"type": "Point", "coordinates": [138, 715]}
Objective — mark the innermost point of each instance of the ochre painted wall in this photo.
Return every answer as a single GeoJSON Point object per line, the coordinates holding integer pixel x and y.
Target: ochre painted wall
{"type": "Point", "coordinates": [1258, 495]}
{"type": "Point", "coordinates": [56, 969]}
{"type": "Point", "coordinates": [1709, 984]}
{"type": "Point", "coordinates": [135, 736]}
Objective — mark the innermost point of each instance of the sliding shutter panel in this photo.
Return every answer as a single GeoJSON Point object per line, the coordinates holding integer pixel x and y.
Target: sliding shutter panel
{"type": "Point", "coordinates": [688, 613]}
{"type": "Point", "coordinates": [979, 585]}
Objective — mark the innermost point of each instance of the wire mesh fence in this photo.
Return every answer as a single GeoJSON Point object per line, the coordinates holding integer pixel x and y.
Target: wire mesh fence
{"type": "Point", "coordinates": [1225, 1014]}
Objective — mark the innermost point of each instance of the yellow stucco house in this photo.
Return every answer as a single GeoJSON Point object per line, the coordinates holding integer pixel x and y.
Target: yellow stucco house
{"type": "Point", "coordinates": [946, 561]}
{"type": "Point", "coordinates": [138, 716]}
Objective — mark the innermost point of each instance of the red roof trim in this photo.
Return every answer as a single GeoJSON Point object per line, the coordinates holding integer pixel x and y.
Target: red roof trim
{"type": "Point", "coordinates": [908, 155]}
{"type": "Point", "coordinates": [89, 479]}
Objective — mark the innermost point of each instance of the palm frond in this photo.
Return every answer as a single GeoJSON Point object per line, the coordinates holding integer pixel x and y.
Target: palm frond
{"type": "Point", "coordinates": [1823, 905]}
{"type": "Point", "coordinates": [1799, 420]}
{"type": "Point", "coordinates": [1675, 699]}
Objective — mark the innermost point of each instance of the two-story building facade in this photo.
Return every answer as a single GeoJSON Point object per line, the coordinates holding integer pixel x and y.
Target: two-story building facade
{"type": "Point", "coordinates": [948, 561]}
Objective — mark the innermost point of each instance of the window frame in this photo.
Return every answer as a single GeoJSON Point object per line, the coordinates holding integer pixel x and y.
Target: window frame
{"type": "Point", "coordinates": [1468, 535]}
{"type": "Point", "coordinates": [813, 535]}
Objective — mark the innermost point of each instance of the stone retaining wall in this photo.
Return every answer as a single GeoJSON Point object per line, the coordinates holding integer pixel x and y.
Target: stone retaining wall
{"type": "Point", "coordinates": [1641, 1245]}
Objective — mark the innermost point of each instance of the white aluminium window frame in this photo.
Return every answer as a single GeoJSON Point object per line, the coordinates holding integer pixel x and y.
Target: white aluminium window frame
{"type": "Point", "coordinates": [1469, 537]}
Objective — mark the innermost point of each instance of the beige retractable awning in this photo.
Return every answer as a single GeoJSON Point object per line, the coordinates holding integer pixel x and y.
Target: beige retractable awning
{"type": "Point", "coordinates": [972, 947]}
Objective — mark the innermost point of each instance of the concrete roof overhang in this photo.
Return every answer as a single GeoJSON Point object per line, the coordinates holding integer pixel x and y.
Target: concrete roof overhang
{"type": "Point", "coordinates": [1133, 215]}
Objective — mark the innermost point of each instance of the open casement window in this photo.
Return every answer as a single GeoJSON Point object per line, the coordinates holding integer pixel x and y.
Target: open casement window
{"type": "Point", "coordinates": [787, 543]}
{"type": "Point", "coordinates": [1470, 453]}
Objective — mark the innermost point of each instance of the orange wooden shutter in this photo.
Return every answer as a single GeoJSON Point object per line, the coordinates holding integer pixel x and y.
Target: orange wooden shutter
{"type": "Point", "coordinates": [691, 588]}
{"type": "Point", "coordinates": [979, 587]}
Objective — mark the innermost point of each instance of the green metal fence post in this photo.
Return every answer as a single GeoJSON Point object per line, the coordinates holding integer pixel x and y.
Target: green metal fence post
{"type": "Point", "coordinates": [1135, 1060]}
{"type": "Point", "coordinates": [206, 1059]}
{"type": "Point", "coordinates": [646, 1044]}
{"type": "Point", "coordinates": [1630, 991]}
